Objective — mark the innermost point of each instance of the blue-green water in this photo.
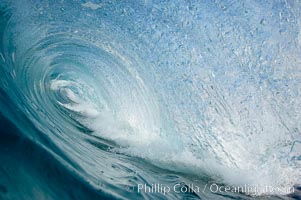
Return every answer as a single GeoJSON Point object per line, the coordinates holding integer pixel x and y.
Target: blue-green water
{"type": "Point", "coordinates": [150, 99]}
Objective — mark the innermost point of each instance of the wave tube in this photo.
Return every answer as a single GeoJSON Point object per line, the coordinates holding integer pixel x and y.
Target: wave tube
{"type": "Point", "coordinates": [122, 93]}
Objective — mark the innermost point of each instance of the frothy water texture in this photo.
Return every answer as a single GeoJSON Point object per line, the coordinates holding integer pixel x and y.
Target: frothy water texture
{"type": "Point", "coordinates": [121, 93]}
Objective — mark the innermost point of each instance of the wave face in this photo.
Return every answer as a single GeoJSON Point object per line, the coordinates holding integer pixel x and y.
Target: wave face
{"type": "Point", "coordinates": [121, 93]}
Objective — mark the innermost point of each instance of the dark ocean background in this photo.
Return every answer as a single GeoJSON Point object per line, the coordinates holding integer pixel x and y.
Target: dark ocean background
{"type": "Point", "coordinates": [99, 97]}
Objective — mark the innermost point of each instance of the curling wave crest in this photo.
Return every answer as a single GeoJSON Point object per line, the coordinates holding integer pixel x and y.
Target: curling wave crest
{"type": "Point", "coordinates": [199, 88]}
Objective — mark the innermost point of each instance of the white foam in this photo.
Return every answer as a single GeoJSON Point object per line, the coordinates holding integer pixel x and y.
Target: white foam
{"type": "Point", "coordinates": [91, 5]}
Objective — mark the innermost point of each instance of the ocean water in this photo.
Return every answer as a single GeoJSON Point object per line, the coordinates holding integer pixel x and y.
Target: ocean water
{"type": "Point", "coordinates": [150, 99]}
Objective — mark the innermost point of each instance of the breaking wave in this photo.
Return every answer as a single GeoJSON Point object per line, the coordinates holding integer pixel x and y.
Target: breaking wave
{"type": "Point", "coordinates": [198, 88]}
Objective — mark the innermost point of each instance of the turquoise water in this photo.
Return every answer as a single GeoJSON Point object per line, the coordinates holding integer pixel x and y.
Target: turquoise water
{"type": "Point", "coordinates": [150, 99]}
